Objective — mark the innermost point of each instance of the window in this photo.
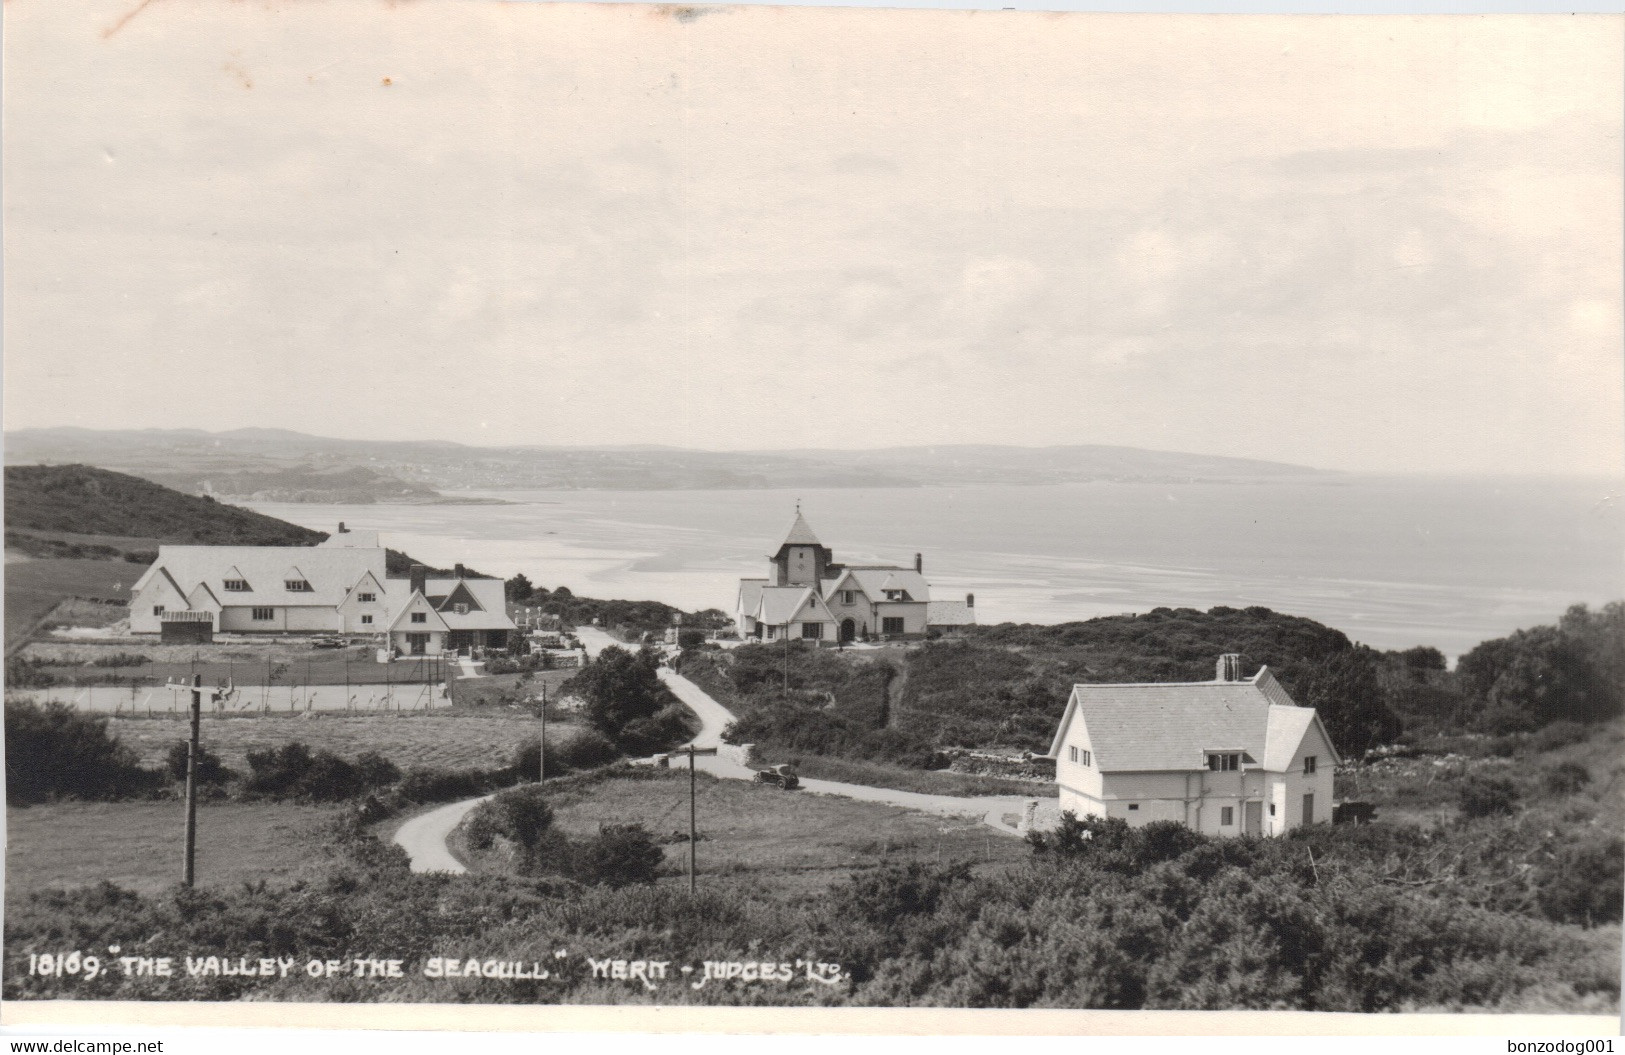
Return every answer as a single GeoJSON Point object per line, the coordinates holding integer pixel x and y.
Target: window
{"type": "Point", "coordinates": [1083, 757]}
{"type": "Point", "coordinates": [462, 609]}
{"type": "Point", "coordinates": [1227, 816]}
{"type": "Point", "coordinates": [366, 598]}
{"type": "Point", "coordinates": [262, 614]}
{"type": "Point", "coordinates": [420, 617]}
{"type": "Point", "coordinates": [296, 586]}
{"type": "Point", "coordinates": [891, 624]}
{"type": "Point", "coordinates": [1134, 805]}
{"type": "Point", "coordinates": [812, 631]}
{"type": "Point", "coordinates": [236, 585]}
{"type": "Point", "coordinates": [366, 620]}
{"type": "Point", "coordinates": [1224, 763]}
{"type": "Point", "coordinates": [157, 609]}
{"type": "Point", "coordinates": [1308, 764]}
{"type": "Point", "coordinates": [1272, 809]}
{"type": "Point", "coordinates": [849, 597]}
{"type": "Point", "coordinates": [1072, 754]}
{"type": "Point", "coordinates": [770, 631]}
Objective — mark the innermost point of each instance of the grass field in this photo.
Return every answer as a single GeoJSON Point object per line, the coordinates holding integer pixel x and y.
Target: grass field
{"type": "Point", "coordinates": [138, 845]}
{"type": "Point", "coordinates": [752, 834]}
{"type": "Point", "coordinates": [449, 741]}
{"type": "Point", "coordinates": [33, 588]}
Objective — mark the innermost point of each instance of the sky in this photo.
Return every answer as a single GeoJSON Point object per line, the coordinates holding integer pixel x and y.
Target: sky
{"type": "Point", "coordinates": [1374, 244]}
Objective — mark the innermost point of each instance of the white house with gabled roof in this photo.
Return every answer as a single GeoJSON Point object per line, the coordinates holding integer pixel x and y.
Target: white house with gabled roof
{"type": "Point", "coordinates": [1231, 756]}
{"type": "Point", "coordinates": [337, 587]}
{"type": "Point", "coordinates": [810, 597]}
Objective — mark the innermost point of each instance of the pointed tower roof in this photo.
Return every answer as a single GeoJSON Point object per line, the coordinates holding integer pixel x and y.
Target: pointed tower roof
{"type": "Point", "coordinates": [800, 534]}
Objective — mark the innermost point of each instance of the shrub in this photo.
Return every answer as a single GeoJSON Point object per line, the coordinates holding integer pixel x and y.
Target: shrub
{"type": "Point", "coordinates": [121, 659]}
{"type": "Point", "coordinates": [619, 855]}
{"type": "Point", "coordinates": [1584, 883]}
{"type": "Point", "coordinates": [431, 784]}
{"type": "Point", "coordinates": [210, 770]}
{"type": "Point", "coordinates": [1483, 796]}
{"type": "Point", "coordinates": [56, 751]}
{"type": "Point", "coordinates": [520, 814]}
{"type": "Point", "coordinates": [1566, 778]}
{"type": "Point", "coordinates": [585, 749]}
{"type": "Point", "coordinates": [666, 728]}
{"type": "Point", "coordinates": [292, 771]}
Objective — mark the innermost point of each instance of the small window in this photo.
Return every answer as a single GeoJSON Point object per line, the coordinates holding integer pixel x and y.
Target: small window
{"type": "Point", "coordinates": [1134, 805]}
{"type": "Point", "coordinates": [296, 586]}
{"type": "Point", "coordinates": [1227, 816]}
{"type": "Point", "coordinates": [366, 598]}
{"type": "Point", "coordinates": [263, 614]}
{"type": "Point", "coordinates": [1224, 763]}
{"type": "Point", "coordinates": [1308, 764]}
{"type": "Point", "coordinates": [1083, 757]}
{"type": "Point", "coordinates": [1272, 809]}
{"type": "Point", "coordinates": [770, 632]}
{"type": "Point", "coordinates": [236, 585]}
{"type": "Point", "coordinates": [812, 631]}
{"type": "Point", "coordinates": [157, 609]}
{"type": "Point", "coordinates": [1072, 754]}
{"type": "Point", "coordinates": [891, 624]}
{"type": "Point", "coordinates": [420, 617]}
{"type": "Point", "coordinates": [462, 609]}
{"type": "Point", "coordinates": [848, 597]}
{"type": "Point", "coordinates": [366, 620]}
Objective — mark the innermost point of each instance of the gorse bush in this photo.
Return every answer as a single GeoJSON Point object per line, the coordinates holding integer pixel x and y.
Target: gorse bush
{"type": "Point", "coordinates": [619, 855]}
{"type": "Point", "coordinates": [292, 771]}
{"type": "Point", "coordinates": [54, 751]}
{"type": "Point", "coordinates": [1486, 796]}
{"type": "Point", "coordinates": [210, 770]}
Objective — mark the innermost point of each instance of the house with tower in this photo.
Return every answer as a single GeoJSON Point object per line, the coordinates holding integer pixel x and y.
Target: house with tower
{"type": "Point", "coordinates": [808, 596]}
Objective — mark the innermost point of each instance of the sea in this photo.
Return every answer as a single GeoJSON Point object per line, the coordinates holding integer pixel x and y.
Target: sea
{"type": "Point", "coordinates": [1391, 561]}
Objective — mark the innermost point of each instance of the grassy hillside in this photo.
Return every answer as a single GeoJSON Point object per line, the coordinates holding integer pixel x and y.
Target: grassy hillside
{"type": "Point", "coordinates": [45, 499]}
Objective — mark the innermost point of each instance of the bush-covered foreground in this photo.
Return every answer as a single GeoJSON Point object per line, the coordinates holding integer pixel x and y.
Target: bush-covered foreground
{"type": "Point", "coordinates": [1160, 918]}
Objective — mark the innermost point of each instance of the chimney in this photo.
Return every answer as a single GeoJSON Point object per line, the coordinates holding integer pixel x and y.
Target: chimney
{"type": "Point", "coordinates": [420, 579]}
{"type": "Point", "coordinates": [460, 572]}
{"type": "Point", "coordinates": [1229, 667]}
{"type": "Point", "coordinates": [342, 528]}
{"type": "Point", "coordinates": [970, 600]}
{"type": "Point", "coordinates": [919, 565]}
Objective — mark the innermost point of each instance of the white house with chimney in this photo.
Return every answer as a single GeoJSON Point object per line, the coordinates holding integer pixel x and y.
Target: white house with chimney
{"type": "Point", "coordinates": [1232, 756]}
{"type": "Point", "coordinates": [807, 596]}
{"type": "Point", "coordinates": [339, 587]}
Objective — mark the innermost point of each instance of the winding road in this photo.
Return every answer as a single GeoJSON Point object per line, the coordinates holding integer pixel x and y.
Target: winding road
{"type": "Point", "coordinates": [424, 836]}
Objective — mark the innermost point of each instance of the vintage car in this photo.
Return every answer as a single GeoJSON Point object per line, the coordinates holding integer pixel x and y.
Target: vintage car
{"type": "Point", "coordinates": [783, 776]}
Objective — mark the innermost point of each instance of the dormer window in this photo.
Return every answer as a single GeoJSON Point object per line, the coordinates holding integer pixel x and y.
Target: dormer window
{"type": "Point", "coordinates": [1224, 762]}
{"type": "Point", "coordinates": [366, 598]}
{"type": "Point", "coordinates": [236, 585]}
{"type": "Point", "coordinates": [460, 609]}
{"type": "Point", "coordinates": [297, 585]}
{"type": "Point", "coordinates": [848, 596]}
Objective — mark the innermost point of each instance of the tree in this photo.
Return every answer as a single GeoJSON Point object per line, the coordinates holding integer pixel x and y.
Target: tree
{"type": "Point", "coordinates": [619, 688]}
{"type": "Point", "coordinates": [1346, 690]}
{"type": "Point", "coordinates": [519, 588]}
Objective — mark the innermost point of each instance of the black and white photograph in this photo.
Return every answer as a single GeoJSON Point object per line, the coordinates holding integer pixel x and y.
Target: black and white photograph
{"type": "Point", "coordinates": [514, 508]}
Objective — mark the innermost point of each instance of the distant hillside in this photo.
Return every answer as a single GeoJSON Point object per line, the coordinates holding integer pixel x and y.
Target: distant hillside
{"type": "Point", "coordinates": [77, 511]}
{"type": "Point", "coordinates": [89, 501]}
{"type": "Point", "coordinates": [277, 465]}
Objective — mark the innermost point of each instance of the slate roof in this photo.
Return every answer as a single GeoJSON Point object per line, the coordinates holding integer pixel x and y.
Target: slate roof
{"type": "Point", "coordinates": [1171, 726]}
{"type": "Point", "coordinates": [780, 604]}
{"type": "Point", "coordinates": [800, 534]}
{"type": "Point", "coordinates": [875, 580]}
{"type": "Point", "coordinates": [949, 613]}
{"type": "Point", "coordinates": [750, 595]}
{"type": "Point", "coordinates": [331, 571]}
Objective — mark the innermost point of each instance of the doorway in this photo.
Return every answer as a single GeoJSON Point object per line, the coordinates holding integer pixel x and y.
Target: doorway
{"type": "Point", "coordinates": [1255, 818]}
{"type": "Point", "coordinates": [1308, 809]}
{"type": "Point", "coordinates": [849, 631]}
{"type": "Point", "coordinates": [418, 644]}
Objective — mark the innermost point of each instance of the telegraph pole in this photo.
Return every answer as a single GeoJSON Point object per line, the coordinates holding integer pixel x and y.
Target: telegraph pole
{"type": "Point", "coordinates": [191, 779]}
{"type": "Point", "coordinates": [693, 826]}
{"type": "Point", "coordinates": [541, 750]}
